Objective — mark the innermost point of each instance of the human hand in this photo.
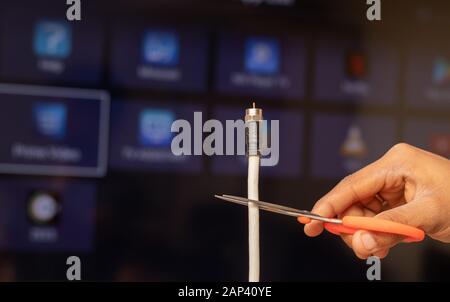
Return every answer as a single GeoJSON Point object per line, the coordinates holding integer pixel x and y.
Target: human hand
{"type": "Point", "coordinates": [415, 187]}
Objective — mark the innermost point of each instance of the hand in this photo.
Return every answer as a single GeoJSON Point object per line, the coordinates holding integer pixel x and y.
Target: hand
{"type": "Point", "coordinates": [415, 185]}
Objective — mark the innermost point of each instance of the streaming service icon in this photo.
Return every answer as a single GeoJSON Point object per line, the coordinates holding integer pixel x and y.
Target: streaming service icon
{"type": "Point", "coordinates": [154, 127]}
{"type": "Point", "coordinates": [353, 150]}
{"type": "Point", "coordinates": [52, 39]}
{"type": "Point", "coordinates": [441, 71]}
{"type": "Point", "coordinates": [50, 119]}
{"type": "Point", "coordinates": [356, 65]}
{"type": "Point", "coordinates": [262, 55]}
{"type": "Point", "coordinates": [44, 208]}
{"type": "Point", "coordinates": [161, 48]}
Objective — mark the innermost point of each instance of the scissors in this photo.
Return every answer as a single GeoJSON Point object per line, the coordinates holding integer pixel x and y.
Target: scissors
{"type": "Point", "coordinates": [346, 225]}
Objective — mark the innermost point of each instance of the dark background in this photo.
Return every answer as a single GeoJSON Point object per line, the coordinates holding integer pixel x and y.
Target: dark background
{"type": "Point", "coordinates": [166, 226]}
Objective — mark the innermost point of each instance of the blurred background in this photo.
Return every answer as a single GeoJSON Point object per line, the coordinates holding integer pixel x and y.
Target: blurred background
{"type": "Point", "coordinates": [85, 161]}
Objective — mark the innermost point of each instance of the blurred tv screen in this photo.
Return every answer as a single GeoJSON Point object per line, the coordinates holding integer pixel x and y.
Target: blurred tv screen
{"type": "Point", "coordinates": [86, 109]}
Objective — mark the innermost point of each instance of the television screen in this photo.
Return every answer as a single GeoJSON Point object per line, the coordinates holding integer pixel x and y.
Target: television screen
{"type": "Point", "coordinates": [114, 139]}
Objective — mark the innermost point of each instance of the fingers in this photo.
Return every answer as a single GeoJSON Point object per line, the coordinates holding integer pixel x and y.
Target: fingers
{"type": "Point", "coordinates": [373, 204]}
{"type": "Point", "coordinates": [359, 186]}
{"type": "Point", "coordinates": [313, 229]}
{"type": "Point", "coordinates": [414, 213]}
{"type": "Point", "coordinates": [360, 210]}
{"type": "Point", "coordinates": [356, 187]}
{"type": "Point", "coordinates": [365, 244]}
{"type": "Point", "coordinates": [409, 200]}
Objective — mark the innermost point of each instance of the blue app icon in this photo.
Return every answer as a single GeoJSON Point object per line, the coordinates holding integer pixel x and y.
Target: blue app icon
{"type": "Point", "coordinates": [154, 127]}
{"type": "Point", "coordinates": [52, 39]}
{"type": "Point", "coordinates": [262, 55]}
{"type": "Point", "coordinates": [161, 48]}
{"type": "Point", "coordinates": [441, 71]}
{"type": "Point", "coordinates": [50, 119]}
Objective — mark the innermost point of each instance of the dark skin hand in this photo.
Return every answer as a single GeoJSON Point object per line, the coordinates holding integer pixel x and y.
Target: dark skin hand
{"type": "Point", "coordinates": [415, 185]}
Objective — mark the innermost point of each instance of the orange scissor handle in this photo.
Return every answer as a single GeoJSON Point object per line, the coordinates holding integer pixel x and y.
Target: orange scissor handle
{"type": "Point", "coordinates": [351, 224]}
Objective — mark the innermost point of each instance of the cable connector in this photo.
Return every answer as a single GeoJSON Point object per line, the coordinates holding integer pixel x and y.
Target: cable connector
{"type": "Point", "coordinates": [253, 118]}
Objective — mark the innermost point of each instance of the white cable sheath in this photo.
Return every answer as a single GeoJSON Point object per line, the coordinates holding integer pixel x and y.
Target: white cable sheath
{"type": "Point", "coordinates": [253, 218]}
{"type": "Point", "coordinates": [253, 117]}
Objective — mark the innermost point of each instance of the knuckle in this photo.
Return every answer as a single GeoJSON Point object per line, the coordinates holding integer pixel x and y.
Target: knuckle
{"type": "Point", "coordinates": [347, 180]}
{"type": "Point", "coordinates": [401, 154]}
{"type": "Point", "coordinates": [400, 149]}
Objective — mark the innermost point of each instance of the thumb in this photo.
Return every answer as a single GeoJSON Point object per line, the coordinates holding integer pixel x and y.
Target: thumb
{"type": "Point", "coordinates": [366, 243]}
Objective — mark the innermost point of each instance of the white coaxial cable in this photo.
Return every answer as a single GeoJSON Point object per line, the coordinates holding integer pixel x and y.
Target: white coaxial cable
{"type": "Point", "coordinates": [253, 117]}
{"type": "Point", "coordinates": [253, 219]}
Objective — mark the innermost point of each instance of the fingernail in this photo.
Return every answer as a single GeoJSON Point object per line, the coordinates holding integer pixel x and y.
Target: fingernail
{"type": "Point", "coordinates": [368, 241]}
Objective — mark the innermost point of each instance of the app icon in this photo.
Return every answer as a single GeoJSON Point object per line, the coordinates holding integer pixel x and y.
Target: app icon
{"type": "Point", "coordinates": [440, 143]}
{"type": "Point", "coordinates": [356, 65]}
{"type": "Point", "coordinates": [441, 71]}
{"type": "Point", "coordinates": [52, 39]}
{"type": "Point", "coordinates": [353, 149]}
{"type": "Point", "coordinates": [161, 48]}
{"type": "Point", "coordinates": [50, 119]}
{"type": "Point", "coordinates": [44, 208]}
{"type": "Point", "coordinates": [154, 127]}
{"type": "Point", "coordinates": [262, 55]}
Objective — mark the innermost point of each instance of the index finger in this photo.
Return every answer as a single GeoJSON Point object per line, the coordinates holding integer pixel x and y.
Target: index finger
{"type": "Point", "coordinates": [358, 186]}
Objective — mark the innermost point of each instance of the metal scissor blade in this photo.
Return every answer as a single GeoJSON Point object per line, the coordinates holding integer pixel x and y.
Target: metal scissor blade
{"type": "Point", "coordinates": [261, 205]}
{"type": "Point", "coordinates": [276, 208]}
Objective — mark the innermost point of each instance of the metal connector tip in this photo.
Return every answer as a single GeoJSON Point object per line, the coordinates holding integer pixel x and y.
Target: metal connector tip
{"type": "Point", "coordinates": [253, 114]}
